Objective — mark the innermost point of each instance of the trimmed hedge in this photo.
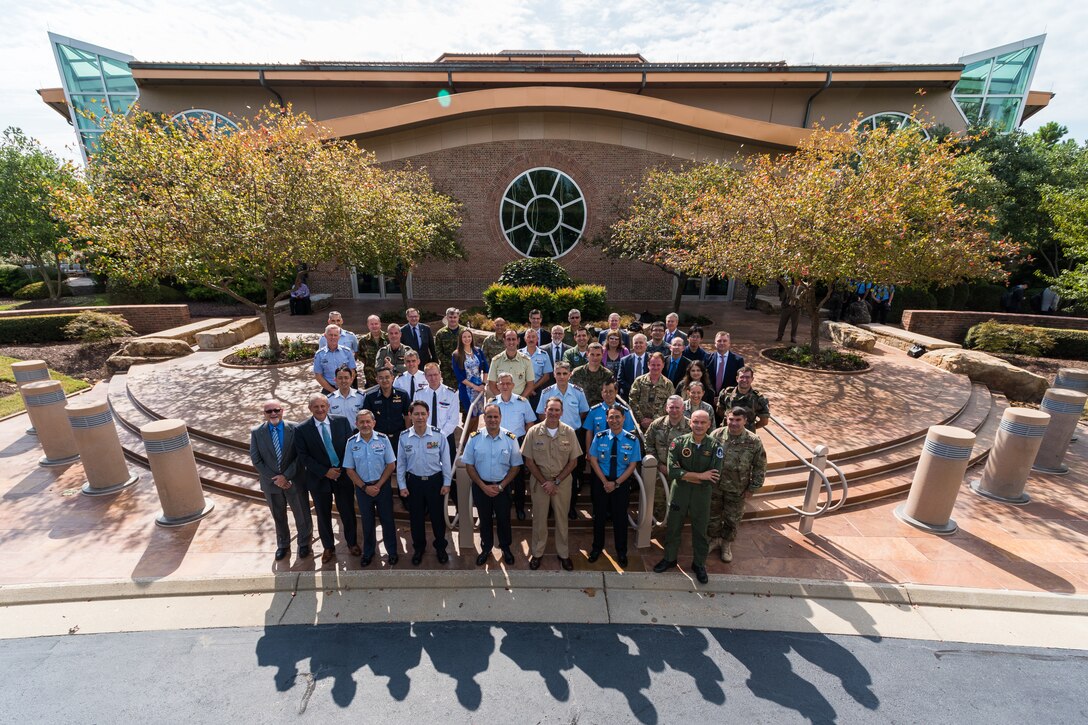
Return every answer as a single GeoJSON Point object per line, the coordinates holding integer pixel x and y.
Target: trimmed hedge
{"type": "Point", "coordinates": [537, 272]}
{"type": "Point", "coordinates": [12, 277]}
{"type": "Point", "coordinates": [994, 336]}
{"type": "Point", "coordinates": [35, 328]}
{"type": "Point", "coordinates": [38, 291]}
{"type": "Point", "coordinates": [514, 303]}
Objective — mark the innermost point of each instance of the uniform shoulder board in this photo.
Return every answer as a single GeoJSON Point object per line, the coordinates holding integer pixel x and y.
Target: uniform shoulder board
{"type": "Point", "coordinates": [515, 396]}
{"type": "Point", "coordinates": [474, 434]}
{"type": "Point", "coordinates": [449, 388]}
{"type": "Point", "coordinates": [577, 387]}
{"type": "Point", "coordinates": [508, 433]}
{"type": "Point", "coordinates": [436, 430]}
{"type": "Point", "coordinates": [629, 434]}
{"type": "Point", "coordinates": [602, 433]}
{"type": "Point", "coordinates": [380, 434]}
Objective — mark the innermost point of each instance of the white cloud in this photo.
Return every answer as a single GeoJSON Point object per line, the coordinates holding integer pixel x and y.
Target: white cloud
{"type": "Point", "coordinates": [797, 31]}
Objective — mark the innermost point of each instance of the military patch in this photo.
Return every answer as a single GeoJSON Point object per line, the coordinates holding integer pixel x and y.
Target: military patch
{"type": "Point", "coordinates": [433, 444]}
{"type": "Point", "coordinates": [686, 451]}
{"type": "Point", "coordinates": [721, 453]}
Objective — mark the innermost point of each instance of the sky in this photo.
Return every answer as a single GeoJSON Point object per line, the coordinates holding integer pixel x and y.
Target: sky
{"type": "Point", "coordinates": [796, 31]}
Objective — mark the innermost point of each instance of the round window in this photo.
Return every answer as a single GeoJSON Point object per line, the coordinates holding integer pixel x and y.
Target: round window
{"type": "Point", "coordinates": [543, 213]}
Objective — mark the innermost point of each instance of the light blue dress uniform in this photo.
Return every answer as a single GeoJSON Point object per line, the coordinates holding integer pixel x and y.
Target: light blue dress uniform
{"type": "Point", "coordinates": [517, 414]}
{"type": "Point", "coordinates": [542, 362]}
{"type": "Point", "coordinates": [627, 451]}
{"type": "Point", "coordinates": [574, 403]}
{"type": "Point", "coordinates": [597, 420]}
{"type": "Point", "coordinates": [492, 457]}
{"type": "Point", "coordinates": [423, 455]}
{"type": "Point", "coordinates": [369, 459]}
{"type": "Point", "coordinates": [347, 339]}
{"type": "Point", "coordinates": [326, 361]}
{"type": "Point", "coordinates": [346, 407]}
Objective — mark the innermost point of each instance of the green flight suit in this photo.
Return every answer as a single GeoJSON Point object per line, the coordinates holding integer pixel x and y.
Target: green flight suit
{"type": "Point", "coordinates": [691, 500]}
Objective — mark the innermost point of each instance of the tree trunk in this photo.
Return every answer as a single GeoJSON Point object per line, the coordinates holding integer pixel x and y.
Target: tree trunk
{"type": "Point", "coordinates": [269, 312]}
{"type": "Point", "coordinates": [814, 306]}
{"type": "Point", "coordinates": [40, 264]}
{"type": "Point", "coordinates": [681, 282]}
{"type": "Point", "coordinates": [60, 276]}
{"type": "Point", "coordinates": [402, 279]}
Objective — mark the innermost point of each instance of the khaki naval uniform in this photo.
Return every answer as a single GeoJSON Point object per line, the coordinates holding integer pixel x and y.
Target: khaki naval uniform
{"type": "Point", "coordinates": [520, 367]}
{"type": "Point", "coordinates": [551, 456]}
{"type": "Point", "coordinates": [691, 500]}
{"type": "Point", "coordinates": [744, 466]}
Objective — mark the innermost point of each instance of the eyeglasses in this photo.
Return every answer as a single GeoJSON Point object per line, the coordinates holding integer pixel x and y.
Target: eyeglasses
{"type": "Point", "coordinates": [273, 411]}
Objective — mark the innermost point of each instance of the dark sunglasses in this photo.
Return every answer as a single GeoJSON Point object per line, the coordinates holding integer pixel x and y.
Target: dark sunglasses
{"type": "Point", "coordinates": [273, 411]}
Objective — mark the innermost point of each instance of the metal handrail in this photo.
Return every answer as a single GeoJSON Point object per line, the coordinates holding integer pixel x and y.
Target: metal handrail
{"type": "Point", "coordinates": [831, 504]}
{"type": "Point", "coordinates": [823, 476]}
{"type": "Point", "coordinates": [661, 476]}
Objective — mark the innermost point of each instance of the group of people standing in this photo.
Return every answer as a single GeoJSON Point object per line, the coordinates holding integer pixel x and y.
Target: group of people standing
{"type": "Point", "coordinates": [554, 417]}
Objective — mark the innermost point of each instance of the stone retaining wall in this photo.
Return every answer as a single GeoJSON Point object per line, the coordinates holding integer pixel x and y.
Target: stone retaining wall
{"type": "Point", "coordinates": [145, 319]}
{"type": "Point", "coordinates": [953, 325]}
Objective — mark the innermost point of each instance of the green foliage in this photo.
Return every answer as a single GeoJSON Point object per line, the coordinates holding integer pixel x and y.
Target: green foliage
{"type": "Point", "coordinates": [514, 303]}
{"type": "Point", "coordinates": [91, 326]}
{"type": "Point", "coordinates": [803, 356]}
{"type": "Point", "coordinates": [122, 291]}
{"type": "Point", "coordinates": [960, 294]}
{"type": "Point", "coordinates": [12, 277]}
{"type": "Point", "coordinates": [1051, 342]}
{"type": "Point", "coordinates": [911, 298]}
{"type": "Point", "coordinates": [538, 272]}
{"type": "Point", "coordinates": [34, 328]}
{"type": "Point", "coordinates": [944, 296]}
{"type": "Point", "coordinates": [38, 291]}
{"type": "Point", "coordinates": [985, 297]}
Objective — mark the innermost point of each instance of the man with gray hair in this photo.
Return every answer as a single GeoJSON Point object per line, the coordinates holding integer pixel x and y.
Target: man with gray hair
{"type": "Point", "coordinates": [672, 328]}
{"type": "Point", "coordinates": [660, 435]}
{"type": "Point", "coordinates": [418, 337]}
{"type": "Point", "coordinates": [347, 339]}
{"type": "Point", "coordinates": [328, 360]}
{"type": "Point", "coordinates": [272, 451]}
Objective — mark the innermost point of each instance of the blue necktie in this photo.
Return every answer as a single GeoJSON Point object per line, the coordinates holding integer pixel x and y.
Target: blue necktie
{"type": "Point", "coordinates": [277, 443]}
{"type": "Point", "coordinates": [333, 458]}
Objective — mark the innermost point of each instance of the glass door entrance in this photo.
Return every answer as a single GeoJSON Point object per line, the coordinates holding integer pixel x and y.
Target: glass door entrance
{"type": "Point", "coordinates": [377, 285]}
{"type": "Point", "coordinates": [709, 288]}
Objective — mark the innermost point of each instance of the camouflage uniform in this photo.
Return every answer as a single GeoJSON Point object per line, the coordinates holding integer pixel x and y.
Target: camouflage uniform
{"type": "Point", "coordinates": [690, 499]}
{"type": "Point", "coordinates": [591, 382]}
{"type": "Point", "coordinates": [493, 346]}
{"type": "Point", "coordinates": [445, 344]}
{"type": "Point", "coordinates": [743, 468]}
{"type": "Point", "coordinates": [368, 351]}
{"type": "Point", "coordinates": [648, 399]}
{"type": "Point", "coordinates": [752, 401]}
{"type": "Point", "coordinates": [576, 358]}
{"type": "Point", "coordinates": [659, 436]}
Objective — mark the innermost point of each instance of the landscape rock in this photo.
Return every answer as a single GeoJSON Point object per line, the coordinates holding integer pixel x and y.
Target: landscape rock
{"type": "Point", "coordinates": [218, 339]}
{"type": "Point", "coordinates": [119, 363]}
{"type": "Point", "coordinates": [849, 336]}
{"type": "Point", "coordinates": [857, 313]}
{"type": "Point", "coordinates": [163, 347]}
{"type": "Point", "coordinates": [997, 374]}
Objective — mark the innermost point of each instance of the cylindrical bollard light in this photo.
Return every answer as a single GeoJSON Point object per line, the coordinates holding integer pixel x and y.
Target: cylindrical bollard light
{"type": "Point", "coordinates": [29, 371]}
{"type": "Point", "coordinates": [1065, 408]}
{"type": "Point", "coordinates": [99, 447]}
{"type": "Point", "coordinates": [173, 466]}
{"type": "Point", "coordinates": [1015, 447]}
{"type": "Point", "coordinates": [937, 480]}
{"type": "Point", "coordinates": [1072, 379]}
{"type": "Point", "coordinates": [45, 402]}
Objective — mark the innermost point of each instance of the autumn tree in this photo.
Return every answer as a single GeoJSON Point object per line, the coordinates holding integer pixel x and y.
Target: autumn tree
{"type": "Point", "coordinates": [29, 228]}
{"type": "Point", "coordinates": [661, 227]}
{"type": "Point", "coordinates": [883, 206]}
{"type": "Point", "coordinates": [228, 209]}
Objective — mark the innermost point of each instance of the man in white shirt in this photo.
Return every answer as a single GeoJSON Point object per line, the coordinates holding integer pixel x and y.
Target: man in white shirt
{"type": "Point", "coordinates": [412, 379]}
{"type": "Point", "coordinates": [443, 403]}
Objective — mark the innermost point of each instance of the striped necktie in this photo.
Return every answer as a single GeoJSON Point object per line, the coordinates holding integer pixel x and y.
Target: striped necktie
{"type": "Point", "coordinates": [277, 444]}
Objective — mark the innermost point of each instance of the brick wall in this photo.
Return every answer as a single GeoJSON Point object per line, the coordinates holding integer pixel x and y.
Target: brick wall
{"type": "Point", "coordinates": [953, 325]}
{"type": "Point", "coordinates": [145, 319]}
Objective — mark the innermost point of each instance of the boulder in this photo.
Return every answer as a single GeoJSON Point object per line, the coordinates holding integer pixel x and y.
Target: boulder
{"type": "Point", "coordinates": [247, 327]}
{"type": "Point", "coordinates": [997, 374]}
{"type": "Point", "coordinates": [119, 363]}
{"type": "Point", "coordinates": [849, 336]}
{"type": "Point", "coordinates": [857, 313]}
{"type": "Point", "coordinates": [218, 339]}
{"type": "Point", "coordinates": [163, 347]}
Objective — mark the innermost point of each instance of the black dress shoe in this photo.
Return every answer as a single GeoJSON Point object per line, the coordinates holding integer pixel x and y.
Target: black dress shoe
{"type": "Point", "coordinates": [416, 559]}
{"type": "Point", "coordinates": [521, 514]}
{"type": "Point", "coordinates": [572, 515]}
{"type": "Point", "coordinates": [663, 566]}
{"type": "Point", "coordinates": [508, 556]}
{"type": "Point", "coordinates": [393, 559]}
{"type": "Point", "coordinates": [305, 552]}
{"type": "Point", "coordinates": [568, 565]}
{"type": "Point", "coordinates": [534, 563]}
{"type": "Point", "coordinates": [281, 553]}
{"type": "Point", "coordinates": [700, 573]}
{"type": "Point", "coordinates": [594, 555]}
{"type": "Point", "coordinates": [365, 561]}
{"type": "Point", "coordinates": [443, 557]}
{"type": "Point", "coordinates": [482, 558]}
{"type": "Point", "coordinates": [622, 561]}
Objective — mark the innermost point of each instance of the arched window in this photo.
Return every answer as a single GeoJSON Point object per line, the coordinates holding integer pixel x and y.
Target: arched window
{"type": "Point", "coordinates": [217, 122]}
{"type": "Point", "coordinates": [894, 120]}
{"type": "Point", "coordinates": [543, 213]}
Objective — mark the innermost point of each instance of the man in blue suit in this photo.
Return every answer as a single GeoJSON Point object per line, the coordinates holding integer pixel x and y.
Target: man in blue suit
{"type": "Point", "coordinates": [722, 365]}
{"type": "Point", "coordinates": [320, 444]}
{"type": "Point", "coordinates": [419, 337]}
{"type": "Point", "coordinates": [272, 451]}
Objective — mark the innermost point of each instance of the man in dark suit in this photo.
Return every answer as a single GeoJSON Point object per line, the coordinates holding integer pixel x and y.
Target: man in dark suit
{"type": "Point", "coordinates": [418, 337]}
{"type": "Point", "coordinates": [556, 349]}
{"type": "Point", "coordinates": [722, 365]}
{"type": "Point", "coordinates": [676, 365]}
{"type": "Point", "coordinates": [320, 443]}
{"type": "Point", "coordinates": [634, 364]}
{"type": "Point", "coordinates": [272, 450]}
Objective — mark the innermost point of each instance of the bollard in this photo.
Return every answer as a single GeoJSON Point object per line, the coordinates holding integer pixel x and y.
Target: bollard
{"type": "Point", "coordinates": [944, 459]}
{"type": "Point", "coordinates": [29, 371]}
{"type": "Point", "coordinates": [99, 447]}
{"type": "Point", "coordinates": [1009, 463]}
{"type": "Point", "coordinates": [45, 401]}
{"type": "Point", "coordinates": [1072, 379]}
{"type": "Point", "coordinates": [1065, 408]}
{"type": "Point", "coordinates": [644, 529]}
{"type": "Point", "coordinates": [465, 539]}
{"type": "Point", "coordinates": [173, 467]}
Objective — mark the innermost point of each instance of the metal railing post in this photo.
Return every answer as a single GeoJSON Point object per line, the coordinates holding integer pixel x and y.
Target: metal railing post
{"type": "Point", "coordinates": [812, 489]}
{"type": "Point", "coordinates": [646, 504]}
{"type": "Point", "coordinates": [465, 538]}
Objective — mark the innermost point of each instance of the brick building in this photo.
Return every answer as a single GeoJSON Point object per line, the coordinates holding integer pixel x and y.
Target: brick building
{"type": "Point", "coordinates": [541, 147]}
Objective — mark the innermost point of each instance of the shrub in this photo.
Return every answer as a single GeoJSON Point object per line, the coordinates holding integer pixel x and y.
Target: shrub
{"type": "Point", "coordinates": [911, 298]}
{"type": "Point", "coordinates": [514, 303]}
{"type": "Point", "coordinates": [535, 273]}
{"type": "Point", "coordinates": [123, 292]}
{"type": "Point", "coordinates": [38, 291]}
{"type": "Point", "coordinates": [985, 297]}
{"type": "Point", "coordinates": [996, 337]}
{"type": "Point", "coordinates": [12, 277]}
{"type": "Point", "coordinates": [945, 296]}
{"type": "Point", "coordinates": [34, 328]}
{"type": "Point", "coordinates": [97, 326]}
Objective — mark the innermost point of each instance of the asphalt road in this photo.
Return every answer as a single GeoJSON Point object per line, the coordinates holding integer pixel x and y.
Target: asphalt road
{"type": "Point", "coordinates": [530, 673]}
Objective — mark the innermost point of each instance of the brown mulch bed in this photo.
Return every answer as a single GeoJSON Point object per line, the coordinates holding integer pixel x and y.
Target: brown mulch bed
{"type": "Point", "coordinates": [86, 362]}
{"type": "Point", "coordinates": [249, 356]}
{"type": "Point", "coordinates": [6, 389]}
{"type": "Point", "coordinates": [1047, 367]}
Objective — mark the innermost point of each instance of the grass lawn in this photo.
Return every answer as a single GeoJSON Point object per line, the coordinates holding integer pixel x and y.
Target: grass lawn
{"type": "Point", "coordinates": [14, 403]}
{"type": "Point", "coordinates": [12, 305]}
